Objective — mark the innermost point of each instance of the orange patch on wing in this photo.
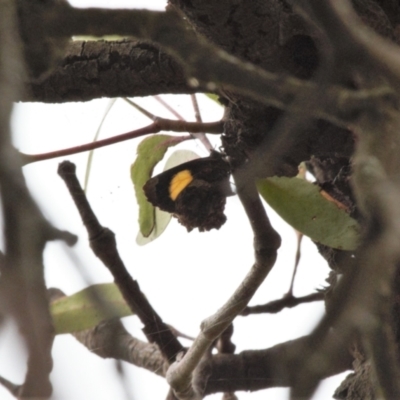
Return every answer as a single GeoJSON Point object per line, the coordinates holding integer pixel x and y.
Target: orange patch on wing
{"type": "Point", "coordinates": [179, 182]}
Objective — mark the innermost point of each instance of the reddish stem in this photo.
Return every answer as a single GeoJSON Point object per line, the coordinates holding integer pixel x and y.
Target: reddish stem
{"type": "Point", "coordinates": [159, 125]}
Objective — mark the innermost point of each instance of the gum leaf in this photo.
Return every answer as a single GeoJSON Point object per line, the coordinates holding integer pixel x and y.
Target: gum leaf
{"type": "Point", "coordinates": [87, 308]}
{"type": "Point", "coordinates": [149, 153]}
{"type": "Point", "coordinates": [301, 205]}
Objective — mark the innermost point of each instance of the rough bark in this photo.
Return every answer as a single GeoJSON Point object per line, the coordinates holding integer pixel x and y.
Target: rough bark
{"type": "Point", "coordinates": [96, 69]}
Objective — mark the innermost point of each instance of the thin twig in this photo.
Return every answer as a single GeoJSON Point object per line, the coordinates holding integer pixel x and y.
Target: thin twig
{"type": "Point", "coordinates": [296, 263]}
{"type": "Point", "coordinates": [196, 108]}
{"type": "Point", "coordinates": [148, 114]}
{"type": "Point", "coordinates": [159, 125]}
{"type": "Point", "coordinates": [169, 108]}
{"type": "Point", "coordinates": [201, 135]}
{"type": "Point", "coordinates": [276, 306]}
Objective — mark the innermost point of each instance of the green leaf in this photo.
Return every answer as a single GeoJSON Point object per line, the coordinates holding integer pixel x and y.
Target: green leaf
{"type": "Point", "coordinates": [149, 152]}
{"type": "Point", "coordinates": [87, 308]}
{"type": "Point", "coordinates": [162, 218]}
{"type": "Point", "coordinates": [161, 221]}
{"type": "Point", "coordinates": [213, 97]}
{"type": "Point", "coordinates": [301, 204]}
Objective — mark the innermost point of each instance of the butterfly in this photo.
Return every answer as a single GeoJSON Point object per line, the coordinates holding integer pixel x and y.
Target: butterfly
{"type": "Point", "coordinates": [195, 192]}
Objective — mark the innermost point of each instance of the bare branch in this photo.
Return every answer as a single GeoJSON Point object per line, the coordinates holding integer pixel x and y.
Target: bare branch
{"type": "Point", "coordinates": [201, 135]}
{"type": "Point", "coordinates": [103, 244]}
{"type": "Point", "coordinates": [261, 369]}
{"type": "Point", "coordinates": [142, 110]}
{"type": "Point", "coordinates": [286, 302]}
{"type": "Point", "coordinates": [169, 108]}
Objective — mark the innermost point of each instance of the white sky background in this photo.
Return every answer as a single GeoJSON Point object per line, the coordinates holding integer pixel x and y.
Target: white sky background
{"type": "Point", "coordinates": [183, 275]}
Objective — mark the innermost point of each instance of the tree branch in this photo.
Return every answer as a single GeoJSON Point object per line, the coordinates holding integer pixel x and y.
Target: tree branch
{"type": "Point", "coordinates": [94, 69]}
{"type": "Point", "coordinates": [359, 44]}
{"type": "Point", "coordinates": [362, 298]}
{"type": "Point", "coordinates": [11, 387]}
{"type": "Point", "coordinates": [261, 369]}
{"type": "Point", "coordinates": [160, 124]}
{"type": "Point", "coordinates": [110, 339]}
{"type": "Point", "coordinates": [103, 244]}
{"type": "Point", "coordinates": [203, 62]}
{"type": "Point", "coordinates": [249, 370]}
{"type": "Point", "coordinates": [286, 302]}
